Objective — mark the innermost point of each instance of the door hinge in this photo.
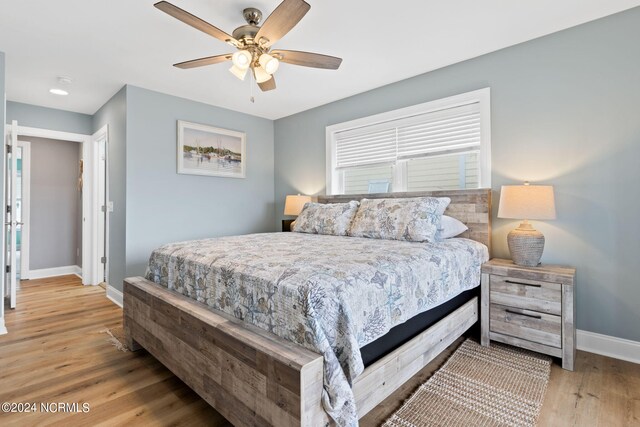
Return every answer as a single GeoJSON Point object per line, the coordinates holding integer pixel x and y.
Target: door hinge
{"type": "Point", "coordinates": [103, 260]}
{"type": "Point", "coordinates": [7, 268]}
{"type": "Point", "coordinates": [8, 149]}
{"type": "Point", "coordinates": [8, 209]}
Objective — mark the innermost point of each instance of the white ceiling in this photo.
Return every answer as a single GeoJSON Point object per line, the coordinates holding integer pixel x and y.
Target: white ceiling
{"type": "Point", "coordinates": [103, 45]}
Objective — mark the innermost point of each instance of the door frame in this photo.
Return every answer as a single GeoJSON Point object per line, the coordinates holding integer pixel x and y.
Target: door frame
{"type": "Point", "coordinates": [101, 135]}
{"type": "Point", "coordinates": [89, 197]}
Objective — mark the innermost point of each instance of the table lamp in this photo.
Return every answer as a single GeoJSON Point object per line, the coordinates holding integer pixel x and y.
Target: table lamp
{"type": "Point", "coordinates": [526, 202]}
{"type": "Point", "coordinates": [293, 205]}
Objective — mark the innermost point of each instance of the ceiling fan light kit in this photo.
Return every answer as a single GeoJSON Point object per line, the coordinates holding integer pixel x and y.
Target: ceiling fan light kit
{"type": "Point", "coordinates": [238, 72]}
{"type": "Point", "coordinates": [261, 75]}
{"type": "Point", "coordinates": [254, 42]}
{"type": "Point", "coordinates": [242, 59]}
{"type": "Point", "coordinates": [269, 63]}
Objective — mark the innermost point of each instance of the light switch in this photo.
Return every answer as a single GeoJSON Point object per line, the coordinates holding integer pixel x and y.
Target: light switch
{"type": "Point", "coordinates": [110, 206]}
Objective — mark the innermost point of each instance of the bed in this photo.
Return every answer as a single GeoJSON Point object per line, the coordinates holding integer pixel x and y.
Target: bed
{"type": "Point", "coordinates": [242, 346]}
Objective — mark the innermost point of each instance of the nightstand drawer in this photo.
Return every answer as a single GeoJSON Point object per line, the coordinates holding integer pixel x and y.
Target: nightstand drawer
{"type": "Point", "coordinates": [526, 324]}
{"type": "Point", "coordinates": [545, 297]}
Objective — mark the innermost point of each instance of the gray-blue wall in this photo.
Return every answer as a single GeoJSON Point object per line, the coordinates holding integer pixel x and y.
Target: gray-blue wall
{"type": "Point", "coordinates": [565, 111]}
{"type": "Point", "coordinates": [114, 114]}
{"type": "Point", "coordinates": [48, 118]}
{"type": "Point", "coordinates": [163, 206]}
{"type": "Point", "coordinates": [55, 238]}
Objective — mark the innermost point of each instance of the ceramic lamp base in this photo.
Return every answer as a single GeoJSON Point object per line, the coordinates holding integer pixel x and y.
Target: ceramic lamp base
{"type": "Point", "coordinates": [526, 245]}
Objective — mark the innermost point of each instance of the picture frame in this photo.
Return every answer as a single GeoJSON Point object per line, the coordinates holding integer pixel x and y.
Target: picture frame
{"type": "Point", "coordinates": [210, 151]}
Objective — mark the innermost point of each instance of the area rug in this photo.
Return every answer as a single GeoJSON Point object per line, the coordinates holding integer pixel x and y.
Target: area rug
{"type": "Point", "coordinates": [479, 386]}
{"type": "Point", "coordinates": [116, 337]}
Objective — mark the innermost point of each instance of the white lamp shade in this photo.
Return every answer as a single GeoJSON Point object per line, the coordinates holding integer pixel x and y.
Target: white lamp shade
{"type": "Point", "coordinates": [241, 59]}
{"type": "Point", "coordinates": [293, 204]}
{"type": "Point", "coordinates": [261, 75]}
{"type": "Point", "coordinates": [527, 202]}
{"type": "Point", "coordinates": [269, 63]}
{"type": "Point", "coordinates": [238, 72]}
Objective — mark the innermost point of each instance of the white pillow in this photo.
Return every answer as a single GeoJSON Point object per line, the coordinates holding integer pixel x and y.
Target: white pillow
{"type": "Point", "coordinates": [450, 227]}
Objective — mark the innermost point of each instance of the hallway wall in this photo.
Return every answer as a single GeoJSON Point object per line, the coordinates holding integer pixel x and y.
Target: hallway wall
{"type": "Point", "coordinates": [56, 227]}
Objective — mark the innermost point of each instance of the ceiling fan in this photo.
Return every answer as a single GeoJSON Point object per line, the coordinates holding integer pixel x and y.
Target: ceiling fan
{"type": "Point", "coordinates": [254, 42]}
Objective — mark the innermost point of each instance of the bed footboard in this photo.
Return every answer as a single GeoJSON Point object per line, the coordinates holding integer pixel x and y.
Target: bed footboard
{"type": "Point", "coordinates": [253, 377]}
{"type": "Point", "coordinates": [250, 376]}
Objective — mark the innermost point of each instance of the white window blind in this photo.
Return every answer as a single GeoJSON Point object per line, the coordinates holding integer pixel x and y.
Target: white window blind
{"type": "Point", "coordinates": [447, 131]}
{"type": "Point", "coordinates": [365, 147]}
{"type": "Point", "coordinates": [441, 144]}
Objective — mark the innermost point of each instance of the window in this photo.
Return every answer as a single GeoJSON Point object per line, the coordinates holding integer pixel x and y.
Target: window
{"type": "Point", "coordinates": [439, 145]}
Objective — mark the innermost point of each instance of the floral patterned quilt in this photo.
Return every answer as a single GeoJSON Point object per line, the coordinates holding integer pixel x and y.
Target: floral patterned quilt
{"type": "Point", "coordinates": [330, 294]}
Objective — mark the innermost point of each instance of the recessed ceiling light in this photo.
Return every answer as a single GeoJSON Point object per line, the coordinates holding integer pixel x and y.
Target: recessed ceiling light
{"type": "Point", "coordinates": [56, 91]}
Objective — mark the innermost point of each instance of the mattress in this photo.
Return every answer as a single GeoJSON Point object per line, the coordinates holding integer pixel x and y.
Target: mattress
{"type": "Point", "coordinates": [405, 332]}
{"type": "Point", "coordinates": [333, 295]}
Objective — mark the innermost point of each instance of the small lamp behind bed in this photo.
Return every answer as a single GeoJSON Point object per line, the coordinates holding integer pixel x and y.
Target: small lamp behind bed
{"type": "Point", "coordinates": [526, 202]}
{"type": "Point", "coordinates": [293, 206]}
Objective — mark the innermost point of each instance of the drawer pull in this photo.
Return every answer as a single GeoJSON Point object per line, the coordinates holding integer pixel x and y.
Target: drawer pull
{"type": "Point", "coordinates": [523, 284]}
{"type": "Point", "coordinates": [535, 316]}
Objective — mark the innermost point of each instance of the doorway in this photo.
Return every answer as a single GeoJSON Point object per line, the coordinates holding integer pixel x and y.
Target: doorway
{"type": "Point", "coordinates": [55, 208]}
{"type": "Point", "coordinates": [90, 184]}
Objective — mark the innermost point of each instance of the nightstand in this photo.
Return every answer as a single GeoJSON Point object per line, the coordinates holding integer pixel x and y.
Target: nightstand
{"type": "Point", "coordinates": [286, 224]}
{"type": "Point", "coordinates": [530, 307]}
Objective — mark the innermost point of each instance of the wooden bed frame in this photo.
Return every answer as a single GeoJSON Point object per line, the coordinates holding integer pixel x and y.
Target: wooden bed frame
{"type": "Point", "coordinates": [253, 377]}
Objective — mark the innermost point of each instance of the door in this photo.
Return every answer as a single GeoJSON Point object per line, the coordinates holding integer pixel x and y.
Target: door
{"type": "Point", "coordinates": [23, 202]}
{"type": "Point", "coordinates": [96, 169]}
{"type": "Point", "coordinates": [102, 213]}
{"type": "Point", "coordinates": [11, 218]}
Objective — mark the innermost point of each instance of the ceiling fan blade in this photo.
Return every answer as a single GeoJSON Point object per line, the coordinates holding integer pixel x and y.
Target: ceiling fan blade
{"type": "Point", "coordinates": [268, 85]}
{"type": "Point", "coordinates": [195, 22]}
{"type": "Point", "coordinates": [307, 59]}
{"type": "Point", "coordinates": [201, 62]}
{"type": "Point", "coordinates": [282, 20]}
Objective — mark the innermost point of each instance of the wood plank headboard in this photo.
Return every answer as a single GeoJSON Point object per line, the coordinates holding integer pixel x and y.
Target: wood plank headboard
{"type": "Point", "coordinates": [472, 207]}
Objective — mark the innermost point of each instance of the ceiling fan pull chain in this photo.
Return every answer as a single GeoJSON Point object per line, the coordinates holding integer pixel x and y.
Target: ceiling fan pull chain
{"type": "Point", "coordinates": [251, 98]}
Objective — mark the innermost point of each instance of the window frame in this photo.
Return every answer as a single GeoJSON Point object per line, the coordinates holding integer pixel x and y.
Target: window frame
{"type": "Point", "coordinates": [334, 179]}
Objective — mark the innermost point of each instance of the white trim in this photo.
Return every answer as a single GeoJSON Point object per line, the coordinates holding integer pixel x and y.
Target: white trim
{"type": "Point", "coordinates": [55, 271]}
{"type": "Point", "coordinates": [114, 295]}
{"type": "Point", "coordinates": [483, 96]}
{"type": "Point", "coordinates": [3, 328]}
{"type": "Point", "coordinates": [93, 253]}
{"type": "Point", "coordinates": [46, 133]}
{"type": "Point", "coordinates": [605, 345]}
{"type": "Point", "coordinates": [13, 228]}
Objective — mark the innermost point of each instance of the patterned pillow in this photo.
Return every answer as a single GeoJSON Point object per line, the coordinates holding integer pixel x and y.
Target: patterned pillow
{"type": "Point", "coordinates": [413, 219]}
{"type": "Point", "coordinates": [326, 218]}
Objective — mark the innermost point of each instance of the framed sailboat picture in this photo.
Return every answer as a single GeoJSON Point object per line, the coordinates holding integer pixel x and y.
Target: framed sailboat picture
{"type": "Point", "coordinates": [211, 151]}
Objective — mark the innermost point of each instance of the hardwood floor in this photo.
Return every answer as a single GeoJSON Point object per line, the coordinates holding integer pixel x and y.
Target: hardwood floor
{"type": "Point", "coordinates": [55, 352]}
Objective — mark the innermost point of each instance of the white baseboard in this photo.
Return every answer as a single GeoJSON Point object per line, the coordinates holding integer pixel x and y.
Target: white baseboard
{"type": "Point", "coordinates": [618, 348]}
{"type": "Point", "coordinates": [56, 271]}
{"type": "Point", "coordinates": [114, 295]}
